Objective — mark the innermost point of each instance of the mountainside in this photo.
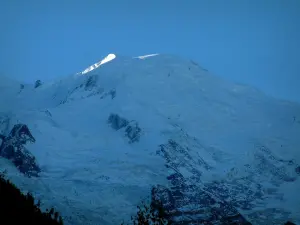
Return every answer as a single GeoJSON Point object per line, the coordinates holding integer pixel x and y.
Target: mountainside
{"type": "Point", "coordinates": [95, 143]}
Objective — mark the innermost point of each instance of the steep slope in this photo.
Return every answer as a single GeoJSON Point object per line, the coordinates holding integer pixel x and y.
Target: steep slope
{"type": "Point", "coordinates": [213, 150]}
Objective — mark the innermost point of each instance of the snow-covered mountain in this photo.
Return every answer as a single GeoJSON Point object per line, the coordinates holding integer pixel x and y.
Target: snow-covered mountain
{"type": "Point", "coordinates": [94, 144]}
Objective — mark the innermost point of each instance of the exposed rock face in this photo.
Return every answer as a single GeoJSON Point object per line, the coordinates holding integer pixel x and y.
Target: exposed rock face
{"type": "Point", "coordinates": [132, 129]}
{"type": "Point", "coordinates": [297, 170]}
{"type": "Point", "coordinates": [188, 200]}
{"type": "Point", "coordinates": [190, 205]}
{"type": "Point", "coordinates": [88, 88]}
{"type": "Point", "coordinates": [37, 83]}
{"type": "Point", "coordinates": [117, 122]}
{"type": "Point", "coordinates": [12, 148]}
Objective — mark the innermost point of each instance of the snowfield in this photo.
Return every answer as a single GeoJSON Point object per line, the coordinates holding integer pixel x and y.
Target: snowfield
{"type": "Point", "coordinates": [105, 138]}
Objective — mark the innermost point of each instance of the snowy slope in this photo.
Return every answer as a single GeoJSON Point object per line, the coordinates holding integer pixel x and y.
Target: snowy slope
{"type": "Point", "coordinates": [105, 137]}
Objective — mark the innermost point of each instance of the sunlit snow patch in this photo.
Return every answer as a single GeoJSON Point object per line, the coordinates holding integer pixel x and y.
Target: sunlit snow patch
{"type": "Point", "coordinates": [145, 56]}
{"type": "Point", "coordinates": [96, 65]}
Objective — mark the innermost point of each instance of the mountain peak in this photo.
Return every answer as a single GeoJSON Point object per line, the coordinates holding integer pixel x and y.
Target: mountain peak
{"type": "Point", "coordinates": [107, 59]}
{"type": "Point", "coordinates": [158, 125]}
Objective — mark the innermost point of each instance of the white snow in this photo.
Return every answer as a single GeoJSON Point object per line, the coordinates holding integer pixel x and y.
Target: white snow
{"type": "Point", "coordinates": [94, 176]}
{"type": "Point", "coordinates": [146, 56]}
{"type": "Point", "coordinates": [108, 58]}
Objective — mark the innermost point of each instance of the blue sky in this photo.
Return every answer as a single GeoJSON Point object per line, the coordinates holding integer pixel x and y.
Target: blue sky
{"type": "Point", "coordinates": [254, 42]}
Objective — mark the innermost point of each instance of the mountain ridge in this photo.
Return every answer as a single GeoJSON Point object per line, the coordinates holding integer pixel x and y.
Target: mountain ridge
{"type": "Point", "coordinates": [131, 125]}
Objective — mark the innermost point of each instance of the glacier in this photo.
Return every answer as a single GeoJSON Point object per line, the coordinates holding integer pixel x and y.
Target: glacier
{"type": "Point", "coordinates": [132, 128]}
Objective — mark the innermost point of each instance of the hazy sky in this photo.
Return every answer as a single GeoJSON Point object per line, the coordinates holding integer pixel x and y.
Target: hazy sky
{"type": "Point", "coordinates": [255, 42]}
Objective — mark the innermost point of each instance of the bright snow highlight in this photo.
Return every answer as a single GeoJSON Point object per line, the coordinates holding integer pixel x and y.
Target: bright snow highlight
{"type": "Point", "coordinates": [96, 65]}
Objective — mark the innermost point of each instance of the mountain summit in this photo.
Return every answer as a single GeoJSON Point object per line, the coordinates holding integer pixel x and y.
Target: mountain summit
{"type": "Point", "coordinates": [158, 127]}
{"type": "Point", "coordinates": [96, 65]}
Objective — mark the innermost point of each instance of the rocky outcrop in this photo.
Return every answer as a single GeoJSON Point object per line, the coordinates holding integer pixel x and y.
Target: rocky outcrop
{"type": "Point", "coordinates": [188, 199]}
{"type": "Point", "coordinates": [13, 148]}
{"type": "Point", "coordinates": [188, 204]}
{"type": "Point", "coordinates": [297, 170]}
{"type": "Point", "coordinates": [132, 129]}
{"type": "Point", "coordinates": [87, 89]}
{"type": "Point", "coordinates": [37, 83]}
{"type": "Point", "coordinates": [91, 82]}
